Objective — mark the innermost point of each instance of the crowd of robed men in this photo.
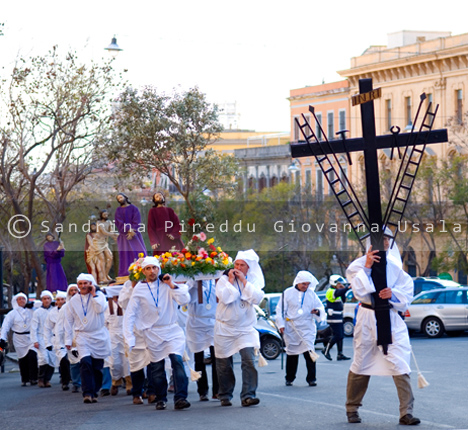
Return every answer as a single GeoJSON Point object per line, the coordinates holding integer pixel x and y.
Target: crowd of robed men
{"type": "Point", "coordinates": [144, 328]}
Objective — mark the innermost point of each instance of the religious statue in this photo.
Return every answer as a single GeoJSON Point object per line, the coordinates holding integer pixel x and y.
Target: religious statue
{"type": "Point", "coordinates": [163, 227]}
{"type": "Point", "coordinates": [99, 257]}
{"type": "Point", "coordinates": [54, 251]}
{"type": "Point", "coordinates": [130, 242]}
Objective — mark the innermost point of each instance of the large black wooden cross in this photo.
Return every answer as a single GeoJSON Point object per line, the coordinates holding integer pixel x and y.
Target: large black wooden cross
{"type": "Point", "coordinates": [326, 152]}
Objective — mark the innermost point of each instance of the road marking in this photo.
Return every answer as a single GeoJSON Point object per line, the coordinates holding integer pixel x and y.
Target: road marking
{"type": "Point", "coordinates": [382, 414]}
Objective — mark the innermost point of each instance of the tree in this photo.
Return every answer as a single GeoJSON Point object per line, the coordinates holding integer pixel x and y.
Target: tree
{"type": "Point", "coordinates": [172, 135]}
{"type": "Point", "coordinates": [53, 110]}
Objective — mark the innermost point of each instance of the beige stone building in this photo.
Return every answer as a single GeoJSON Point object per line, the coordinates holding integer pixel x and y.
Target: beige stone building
{"type": "Point", "coordinates": [412, 63]}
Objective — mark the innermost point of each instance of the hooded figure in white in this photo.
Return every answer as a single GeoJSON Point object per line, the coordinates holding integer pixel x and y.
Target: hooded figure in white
{"type": "Point", "coordinates": [369, 358]}
{"type": "Point", "coordinates": [19, 321]}
{"type": "Point", "coordinates": [238, 291]}
{"type": "Point", "coordinates": [296, 319]}
{"type": "Point", "coordinates": [235, 313]}
{"type": "Point", "coordinates": [200, 332]}
{"type": "Point", "coordinates": [153, 309]}
{"type": "Point", "coordinates": [46, 355]}
{"type": "Point", "coordinates": [85, 322]}
{"type": "Point", "coordinates": [118, 362]}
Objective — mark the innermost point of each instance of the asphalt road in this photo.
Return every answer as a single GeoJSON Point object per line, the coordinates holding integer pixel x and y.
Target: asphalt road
{"type": "Point", "coordinates": [442, 405]}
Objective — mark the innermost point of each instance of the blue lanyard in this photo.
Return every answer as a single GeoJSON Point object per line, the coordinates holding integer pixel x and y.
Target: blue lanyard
{"type": "Point", "coordinates": [156, 302]}
{"type": "Point", "coordinates": [85, 311]}
{"type": "Point", "coordinates": [209, 293]}
{"type": "Point", "coordinates": [237, 282]}
{"type": "Point", "coordinates": [303, 297]}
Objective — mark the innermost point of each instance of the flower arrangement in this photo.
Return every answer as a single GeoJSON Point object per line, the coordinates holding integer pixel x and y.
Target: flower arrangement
{"type": "Point", "coordinates": [199, 257]}
{"type": "Point", "coordinates": [135, 271]}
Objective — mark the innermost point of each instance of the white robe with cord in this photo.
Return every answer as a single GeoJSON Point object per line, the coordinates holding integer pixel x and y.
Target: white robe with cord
{"type": "Point", "coordinates": [92, 338]}
{"type": "Point", "coordinates": [236, 317]}
{"type": "Point", "coordinates": [201, 321]}
{"type": "Point", "coordinates": [49, 333]}
{"type": "Point", "coordinates": [118, 362]}
{"type": "Point", "coordinates": [300, 329]}
{"type": "Point", "coordinates": [138, 357]}
{"type": "Point", "coordinates": [155, 314]}
{"type": "Point", "coordinates": [44, 356]}
{"type": "Point", "coordinates": [369, 358]}
{"type": "Point", "coordinates": [60, 335]}
{"type": "Point", "coordinates": [19, 321]}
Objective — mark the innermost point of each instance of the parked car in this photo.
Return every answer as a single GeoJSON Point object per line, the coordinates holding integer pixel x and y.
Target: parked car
{"type": "Point", "coordinates": [438, 311]}
{"type": "Point", "coordinates": [271, 342]}
{"type": "Point", "coordinates": [269, 303]}
{"type": "Point", "coordinates": [426, 284]}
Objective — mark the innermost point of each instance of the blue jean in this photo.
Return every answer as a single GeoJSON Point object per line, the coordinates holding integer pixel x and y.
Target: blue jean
{"type": "Point", "coordinates": [138, 382]}
{"type": "Point", "coordinates": [91, 375]}
{"type": "Point", "coordinates": [106, 378]}
{"type": "Point", "coordinates": [180, 379]}
{"type": "Point", "coordinates": [227, 379]}
{"type": "Point", "coordinates": [75, 374]}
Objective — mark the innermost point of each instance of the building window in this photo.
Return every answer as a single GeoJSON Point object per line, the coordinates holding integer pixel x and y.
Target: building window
{"type": "Point", "coordinates": [331, 177]}
{"type": "Point", "coordinates": [388, 108]}
{"type": "Point", "coordinates": [297, 179]}
{"type": "Point", "coordinates": [460, 106]}
{"type": "Point", "coordinates": [308, 180]}
{"type": "Point", "coordinates": [319, 183]}
{"type": "Point", "coordinates": [318, 130]}
{"type": "Point", "coordinates": [330, 126]}
{"type": "Point", "coordinates": [296, 129]}
{"type": "Point", "coordinates": [342, 114]}
{"type": "Point", "coordinates": [262, 183]}
{"type": "Point", "coordinates": [408, 118]}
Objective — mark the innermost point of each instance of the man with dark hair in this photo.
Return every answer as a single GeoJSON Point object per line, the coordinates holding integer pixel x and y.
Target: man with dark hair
{"type": "Point", "coordinates": [130, 242]}
{"type": "Point", "coordinates": [85, 314]}
{"type": "Point", "coordinates": [163, 227]}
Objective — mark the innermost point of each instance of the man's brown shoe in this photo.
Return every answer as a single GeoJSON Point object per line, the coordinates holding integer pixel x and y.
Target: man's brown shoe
{"type": "Point", "coordinates": [114, 390]}
{"type": "Point", "coordinates": [353, 417]}
{"type": "Point", "coordinates": [137, 401]}
{"type": "Point", "coordinates": [409, 420]}
{"type": "Point", "coordinates": [87, 399]}
{"type": "Point", "coordinates": [151, 398]}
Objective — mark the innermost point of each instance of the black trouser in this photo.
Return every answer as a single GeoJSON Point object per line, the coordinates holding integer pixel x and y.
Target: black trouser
{"type": "Point", "coordinates": [291, 367]}
{"type": "Point", "coordinates": [65, 375]}
{"type": "Point", "coordinates": [337, 338]}
{"type": "Point", "coordinates": [45, 372]}
{"type": "Point", "coordinates": [200, 366]}
{"type": "Point", "coordinates": [28, 367]}
{"type": "Point", "coordinates": [138, 382]}
{"type": "Point", "coordinates": [91, 375]}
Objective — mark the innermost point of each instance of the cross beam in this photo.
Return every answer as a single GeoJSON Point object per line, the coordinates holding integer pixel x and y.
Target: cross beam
{"type": "Point", "coordinates": [370, 144]}
{"type": "Point", "coordinates": [302, 149]}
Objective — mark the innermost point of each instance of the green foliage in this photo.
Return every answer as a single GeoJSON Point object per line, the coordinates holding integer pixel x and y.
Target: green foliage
{"type": "Point", "coordinates": [171, 134]}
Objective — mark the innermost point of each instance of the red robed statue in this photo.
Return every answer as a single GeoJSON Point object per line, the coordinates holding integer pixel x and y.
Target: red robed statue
{"type": "Point", "coordinates": [163, 227]}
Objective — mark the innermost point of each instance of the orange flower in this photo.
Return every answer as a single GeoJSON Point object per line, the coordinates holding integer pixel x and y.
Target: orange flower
{"type": "Point", "coordinates": [213, 254]}
{"type": "Point", "coordinates": [183, 265]}
{"type": "Point", "coordinates": [188, 255]}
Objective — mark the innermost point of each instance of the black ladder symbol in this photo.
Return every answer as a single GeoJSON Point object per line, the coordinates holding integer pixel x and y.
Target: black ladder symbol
{"type": "Point", "coordinates": [336, 177]}
{"type": "Point", "coordinates": [409, 166]}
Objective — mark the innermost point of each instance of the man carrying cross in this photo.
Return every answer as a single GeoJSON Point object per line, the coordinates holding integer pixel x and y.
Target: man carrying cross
{"type": "Point", "coordinates": [369, 358]}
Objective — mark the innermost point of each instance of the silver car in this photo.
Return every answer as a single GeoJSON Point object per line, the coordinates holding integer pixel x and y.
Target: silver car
{"type": "Point", "coordinates": [437, 311]}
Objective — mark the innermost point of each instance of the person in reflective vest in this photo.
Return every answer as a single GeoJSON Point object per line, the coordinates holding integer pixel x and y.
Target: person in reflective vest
{"type": "Point", "coordinates": [336, 297]}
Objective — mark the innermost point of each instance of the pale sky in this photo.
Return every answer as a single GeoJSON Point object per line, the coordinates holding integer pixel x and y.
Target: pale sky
{"type": "Point", "coordinates": [250, 52]}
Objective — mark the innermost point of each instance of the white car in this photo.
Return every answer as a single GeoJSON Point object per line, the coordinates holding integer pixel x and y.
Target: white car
{"type": "Point", "coordinates": [437, 311]}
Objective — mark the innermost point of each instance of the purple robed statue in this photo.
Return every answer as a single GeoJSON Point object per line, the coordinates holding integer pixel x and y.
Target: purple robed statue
{"type": "Point", "coordinates": [130, 242]}
{"type": "Point", "coordinates": [53, 254]}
